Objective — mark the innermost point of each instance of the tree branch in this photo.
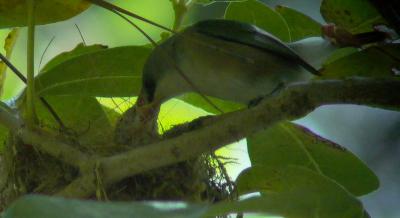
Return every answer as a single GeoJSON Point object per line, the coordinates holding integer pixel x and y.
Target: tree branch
{"type": "Point", "coordinates": [43, 141]}
{"type": "Point", "coordinates": [211, 133]}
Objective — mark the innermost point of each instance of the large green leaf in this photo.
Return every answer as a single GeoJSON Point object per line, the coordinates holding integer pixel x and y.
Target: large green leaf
{"type": "Point", "coordinates": [300, 25]}
{"type": "Point", "coordinates": [79, 50]}
{"type": "Point", "coordinates": [14, 13]}
{"type": "Point", "coordinates": [107, 72]}
{"type": "Point", "coordinates": [340, 53]}
{"type": "Point", "coordinates": [46, 207]}
{"type": "Point", "coordinates": [292, 204]}
{"type": "Point", "coordinates": [356, 15]}
{"type": "Point", "coordinates": [377, 61]}
{"type": "Point", "coordinates": [297, 192]}
{"type": "Point", "coordinates": [207, 2]}
{"type": "Point", "coordinates": [83, 116]}
{"type": "Point", "coordinates": [290, 144]}
{"type": "Point", "coordinates": [261, 15]}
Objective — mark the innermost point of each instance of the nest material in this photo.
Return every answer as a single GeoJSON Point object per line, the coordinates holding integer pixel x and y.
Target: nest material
{"type": "Point", "coordinates": [25, 170]}
{"type": "Point", "coordinates": [29, 171]}
{"type": "Point", "coordinates": [196, 180]}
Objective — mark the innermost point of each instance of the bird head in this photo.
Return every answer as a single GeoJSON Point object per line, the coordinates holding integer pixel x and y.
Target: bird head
{"type": "Point", "coordinates": [138, 125]}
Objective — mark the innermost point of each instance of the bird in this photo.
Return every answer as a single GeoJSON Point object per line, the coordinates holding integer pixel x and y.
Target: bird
{"type": "Point", "coordinates": [226, 59]}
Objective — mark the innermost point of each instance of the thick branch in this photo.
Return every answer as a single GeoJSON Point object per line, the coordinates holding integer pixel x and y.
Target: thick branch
{"type": "Point", "coordinates": [47, 143]}
{"type": "Point", "coordinates": [204, 135]}
{"type": "Point", "coordinates": [42, 141]}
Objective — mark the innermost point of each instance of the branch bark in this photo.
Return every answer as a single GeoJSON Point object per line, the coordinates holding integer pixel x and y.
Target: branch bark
{"type": "Point", "coordinates": [42, 141]}
{"type": "Point", "coordinates": [211, 133]}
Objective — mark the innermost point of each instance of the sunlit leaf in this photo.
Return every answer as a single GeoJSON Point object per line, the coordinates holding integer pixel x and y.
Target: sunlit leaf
{"type": "Point", "coordinates": [377, 61]}
{"type": "Point", "coordinates": [104, 73]}
{"type": "Point", "coordinates": [300, 25]}
{"type": "Point", "coordinates": [290, 144]}
{"type": "Point", "coordinates": [14, 13]}
{"type": "Point", "coordinates": [199, 101]}
{"type": "Point", "coordinates": [9, 43]}
{"type": "Point", "coordinates": [356, 15]}
{"type": "Point", "coordinates": [295, 192]}
{"type": "Point", "coordinates": [261, 15]}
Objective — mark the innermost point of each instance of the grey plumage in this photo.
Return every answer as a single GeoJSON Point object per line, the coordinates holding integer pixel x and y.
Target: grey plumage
{"type": "Point", "coordinates": [222, 58]}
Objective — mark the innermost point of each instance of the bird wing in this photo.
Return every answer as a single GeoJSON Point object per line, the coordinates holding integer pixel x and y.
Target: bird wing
{"type": "Point", "coordinates": [252, 36]}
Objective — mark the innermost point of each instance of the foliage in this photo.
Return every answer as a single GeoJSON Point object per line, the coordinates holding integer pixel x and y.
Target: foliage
{"type": "Point", "coordinates": [297, 173]}
{"type": "Point", "coordinates": [356, 16]}
{"type": "Point", "coordinates": [14, 13]}
{"type": "Point", "coordinates": [291, 144]}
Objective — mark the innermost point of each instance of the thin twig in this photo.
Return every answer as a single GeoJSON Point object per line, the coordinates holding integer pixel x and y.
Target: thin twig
{"type": "Point", "coordinates": [44, 52]}
{"type": "Point", "coordinates": [114, 8]}
{"type": "Point", "coordinates": [13, 68]}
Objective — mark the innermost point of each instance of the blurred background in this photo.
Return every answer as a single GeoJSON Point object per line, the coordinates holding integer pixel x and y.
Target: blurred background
{"type": "Point", "coordinates": [372, 134]}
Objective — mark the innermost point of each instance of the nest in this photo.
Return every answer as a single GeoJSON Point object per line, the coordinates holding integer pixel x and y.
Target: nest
{"type": "Point", "coordinates": [197, 180]}
{"type": "Point", "coordinates": [201, 179]}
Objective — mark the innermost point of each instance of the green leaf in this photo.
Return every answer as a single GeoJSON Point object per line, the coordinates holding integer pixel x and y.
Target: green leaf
{"type": "Point", "coordinates": [103, 73]}
{"type": "Point", "coordinates": [300, 25]}
{"type": "Point", "coordinates": [207, 2]}
{"type": "Point", "coordinates": [356, 15]}
{"type": "Point", "coordinates": [13, 13]}
{"type": "Point", "coordinates": [35, 206]}
{"type": "Point", "coordinates": [340, 53]}
{"type": "Point", "coordinates": [9, 44]}
{"type": "Point", "coordinates": [290, 144]}
{"type": "Point", "coordinates": [4, 132]}
{"type": "Point", "coordinates": [84, 116]}
{"type": "Point", "coordinates": [259, 14]}
{"type": "Point", "coordinates": [293, 203]}
{"type": "Point", "coordinates": [80, 49]}
{"type": "Point", "coordinates": [297, 192]}
{"type": "Point", "coordinates": [198, 101]}
{"type": "Point", "coordinates": [377, 61]}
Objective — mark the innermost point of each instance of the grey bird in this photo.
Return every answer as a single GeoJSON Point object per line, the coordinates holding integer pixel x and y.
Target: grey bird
{"type": "Point", "coordinates": [220, 58]}
{"type": "Point", "coordinates": [224, 59]}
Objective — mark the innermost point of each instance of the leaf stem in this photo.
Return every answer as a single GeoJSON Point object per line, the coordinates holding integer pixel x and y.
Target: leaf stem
{"type": "Point", "coordinates": [30, 113]}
